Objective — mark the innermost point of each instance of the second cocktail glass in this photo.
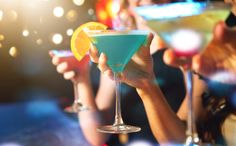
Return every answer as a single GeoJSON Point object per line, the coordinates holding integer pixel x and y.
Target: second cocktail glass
{"type": "Point", "coordinates": [119, 46]}
{"type": "Point", "coordinates": [186, 27]}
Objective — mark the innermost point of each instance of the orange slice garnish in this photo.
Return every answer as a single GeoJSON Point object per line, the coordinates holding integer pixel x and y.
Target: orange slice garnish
{"type": "Point", "coordinates": [80, 42]}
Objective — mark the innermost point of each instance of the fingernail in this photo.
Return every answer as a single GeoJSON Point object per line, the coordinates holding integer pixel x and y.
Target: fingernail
{"type": "Point", "coordinates": [102, 57]}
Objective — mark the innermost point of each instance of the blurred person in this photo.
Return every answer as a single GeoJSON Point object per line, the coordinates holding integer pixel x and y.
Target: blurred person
{"type": "Point", "coordinates": [216, 68]}
{"type": "Point", "coordinates": [214, 102]}
{"type": "Point", "coordinates": [103, 101]}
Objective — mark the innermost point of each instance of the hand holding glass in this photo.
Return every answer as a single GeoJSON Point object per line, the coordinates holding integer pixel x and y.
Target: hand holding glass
{"type": "Point", "coordinates": [186, 27]}
{"type": "Point", "coordinates": [119, 46]}
{"type": "Point", "coordinates": [64, 54]}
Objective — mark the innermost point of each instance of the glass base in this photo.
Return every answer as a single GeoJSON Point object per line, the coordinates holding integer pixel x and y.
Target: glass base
{"type": "Point", "coordinates": [192, 140]}
{"type": "Point", "coordinates": [118, 129]}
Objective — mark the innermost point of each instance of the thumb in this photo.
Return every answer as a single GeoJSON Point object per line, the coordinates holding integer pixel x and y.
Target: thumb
{"type": "Point", "coordinates": [146, 48]}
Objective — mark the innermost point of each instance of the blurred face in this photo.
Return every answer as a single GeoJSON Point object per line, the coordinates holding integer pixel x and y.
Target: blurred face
{"type": "Point", "coordinates": [129, 18]}
{"type": "Point", "coordinates": [136, 3]}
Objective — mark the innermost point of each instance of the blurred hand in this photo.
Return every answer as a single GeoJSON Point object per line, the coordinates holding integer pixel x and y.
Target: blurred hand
{"type": "Point", "coordinates": [68, 65]}
{"type": "Point", "coordinates": [139, 68]}
{"type": "Point", "coordinates": [219, 56]}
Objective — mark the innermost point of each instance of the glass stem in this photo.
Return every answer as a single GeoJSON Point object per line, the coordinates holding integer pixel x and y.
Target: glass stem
{"type": "Point", "coordinates": [76, 94]}
{"type": "Point", "coordinates": [192, 136]}
{"type": "Point", "coordinates": [118, 116]}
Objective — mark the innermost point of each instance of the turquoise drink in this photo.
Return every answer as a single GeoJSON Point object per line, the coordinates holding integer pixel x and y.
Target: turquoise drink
{"type": "Point", "coordinates": [118, 46]}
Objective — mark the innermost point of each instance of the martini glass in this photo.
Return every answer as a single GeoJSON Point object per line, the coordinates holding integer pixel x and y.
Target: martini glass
{"type": "Point", "coordinates": [77, 105]}
{"type": "Point", "coordinates": [119, 46]}
{"type": "Point", "coordinates": [186, 27]}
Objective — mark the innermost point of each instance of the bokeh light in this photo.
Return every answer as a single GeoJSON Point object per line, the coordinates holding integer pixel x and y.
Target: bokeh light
{"type": "Point", "coordinates": [57, 38]}
{"type": "Point", "coordinates": [13, 51]}
{"type": "Point", "coordinates": [1, 15]}
{"type": "Point", "coordinates": [25, 32]}
{"type": "Point", "coordinates": [58, 11]}
{"type": "Point", "coordinates": [10, 144]}
{"type": "Point", "coordinates": [224, 77]}
{"type": "Point", "coordinates": [114, 7]}
{"type": "Point", "coordinates": [69, 32]}
{"type": "Point", "coordinates": [140, 143]}
{"type": "Point", "coordinates": [72, 15]}
{"type": "Point", "coordinates": [39, 41]}
{"type": "Point", "coordinates": [78, 2]}
{"type": "Point", "coordinates": [2, 37]}
{"type": "Point", "coordinates": [91, 11]}
{"type": "Point", "coordinates": [12, 15]}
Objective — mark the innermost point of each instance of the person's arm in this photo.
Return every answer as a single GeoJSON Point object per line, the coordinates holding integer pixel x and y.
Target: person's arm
{"type": "Point", "coordinates": [166, 126]}
{"type": "Point", "coordinates": [92, 118]}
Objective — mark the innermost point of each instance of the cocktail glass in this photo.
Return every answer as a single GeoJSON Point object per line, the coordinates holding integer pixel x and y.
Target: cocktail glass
{"type": "Point", "coordinates": [186, 27]}
{"type": "Point", "coordinates": [77, 105]}
{"type": "Point", "coordinates": [119, 46]}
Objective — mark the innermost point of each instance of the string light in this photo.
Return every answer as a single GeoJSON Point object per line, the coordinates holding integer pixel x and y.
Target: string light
{"type": "Point", "coordinates": [58, 11]}
{"type": "Point", "coordinates": [57, 38]}
{"type": "Point", "coordinates": [34, 30]}
{"type": "Point", "coordinates": [25, 33]}
{"type": "Point", "coordinates": [13, 51]}
{"type": "Point", "coordinates": [78, 2]}
{"type": "Point", "coordinates": [1, 15]}
{"type": "Point", "coordinates": [39, 41]}
{"type": "Point", "coordinates": [2, 37]}
{"type": "Point", "coordinates": [69, 32]}
{"type": "Point", "coordinates": [71, 15]}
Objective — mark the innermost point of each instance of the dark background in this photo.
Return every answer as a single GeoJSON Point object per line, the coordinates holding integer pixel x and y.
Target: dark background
{"type": "Point", "coordinates": [30, 74]}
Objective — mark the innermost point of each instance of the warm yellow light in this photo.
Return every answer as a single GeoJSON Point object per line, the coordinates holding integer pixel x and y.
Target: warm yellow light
{"type": "Point", "coordinates": [0, 45]}
{"type": "Point", "coordinates": [102, 15]}
{"type": "Point", "coordinates": [69, 32]}
{"type": "Point", "coordinates": [57, 38]}
{"type": "Point", "coordinates": [13, 51]}
{"type": "Point", "coordinates": [2, 37]}
{"type": "Point", "coordinates": [71, 15]}
{"type": "Point", "coordinates": [39, 41]}
{"type": "Point", "coordinates": [25, 33]}
{"type": "Point", "coordinates": [12, 15]}
{"type": "Point", "coordinates": [78, 2]}
{"type": "Point", "coordinates": [113, 8]}
{"type": "Point", "coordinates": [1, 15]}
{"type": "Point", "coordinates": [58, 11]}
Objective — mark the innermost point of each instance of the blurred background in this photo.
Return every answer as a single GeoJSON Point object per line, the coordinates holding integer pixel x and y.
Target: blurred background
{"type": "Point", "coordinates": [28, 30]}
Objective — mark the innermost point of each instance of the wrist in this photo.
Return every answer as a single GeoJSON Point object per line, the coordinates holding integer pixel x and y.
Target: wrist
{"type": "Point", "coordinates": [148, 88]}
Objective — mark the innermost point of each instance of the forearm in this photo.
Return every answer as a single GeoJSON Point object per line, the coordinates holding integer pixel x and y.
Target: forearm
{"type": "Point", "coordinates": [165, 125]}
{"type": "Point", "coordinates": [90, 119]}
